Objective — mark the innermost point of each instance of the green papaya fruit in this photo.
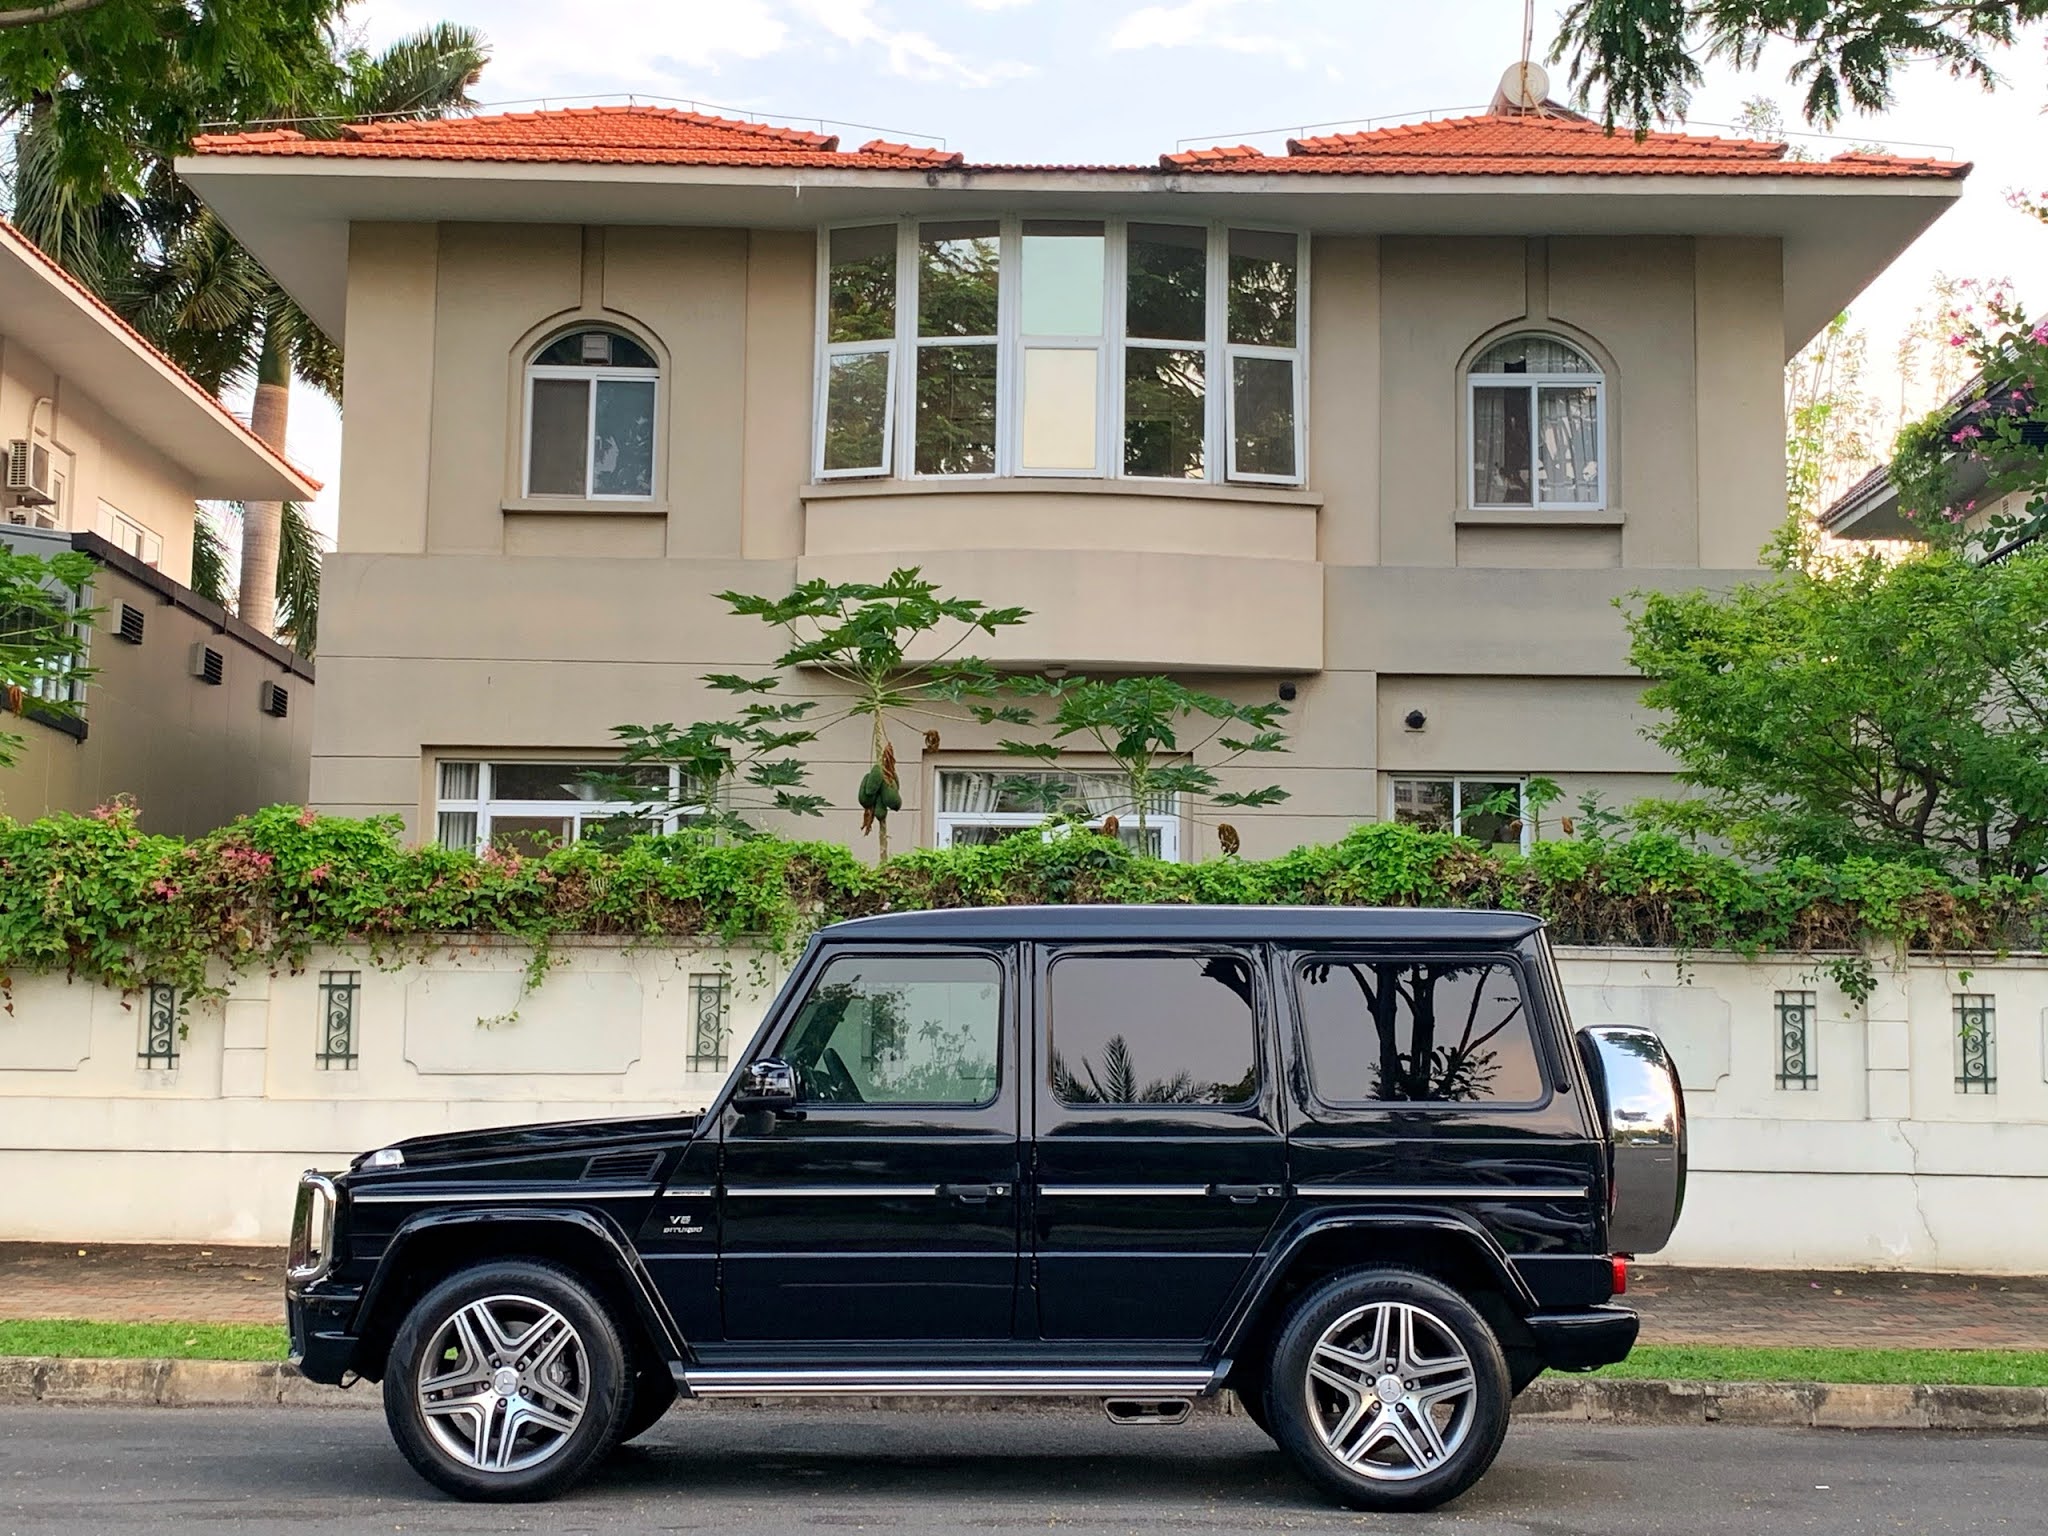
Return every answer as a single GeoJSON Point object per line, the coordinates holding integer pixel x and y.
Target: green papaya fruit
{"type": "Point", "coordinates": [892, 797]}
{"type": "Point", "coordinates": [870, 794]}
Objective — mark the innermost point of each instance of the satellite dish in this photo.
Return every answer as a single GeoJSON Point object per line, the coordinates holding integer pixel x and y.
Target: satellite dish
{"type": "Point", "coordinates": [1524, 87]}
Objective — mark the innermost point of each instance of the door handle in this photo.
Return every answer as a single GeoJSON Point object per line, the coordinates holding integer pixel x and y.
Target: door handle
{"type": "Point", "coordinates": [974, 1194]}
{"type": "Point", "coordinates": [1245, 1194]}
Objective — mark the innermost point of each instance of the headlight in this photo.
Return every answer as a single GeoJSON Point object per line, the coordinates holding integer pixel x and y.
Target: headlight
{"type": "Point", "coordinates": [312, 1248]}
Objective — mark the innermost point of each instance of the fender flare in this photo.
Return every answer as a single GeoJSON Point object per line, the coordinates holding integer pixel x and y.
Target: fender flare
{"type": "Point", "coordinates": [651, 1312]}
{"type": "Point", "coordinates": [1274, 1265]}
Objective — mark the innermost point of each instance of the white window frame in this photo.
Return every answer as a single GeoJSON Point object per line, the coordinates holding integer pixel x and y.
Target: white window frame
{"type": "Point", "coordinates": [487, 808]}
{"type": "Point", "coordinates": [1166, 822]}
{"type": "Point", "coordinates": [1535, 382]}
{"type": "Point", "coordinates": [117, 527]}
{"type": "Point", "coordinates": [591, 374]}
{"type": "Point", "coordinates": [1458, 781]}
{"type": "Point", "coordinates": [1219, 458]}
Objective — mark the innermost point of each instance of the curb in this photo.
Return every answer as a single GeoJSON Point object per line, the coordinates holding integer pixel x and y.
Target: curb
{"type": "Point", "coordinates": [1553, 1399]}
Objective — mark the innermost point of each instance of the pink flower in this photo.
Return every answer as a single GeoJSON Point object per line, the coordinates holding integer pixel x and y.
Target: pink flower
{"type": "Point", "coordinates": [1969, 506]}
{"type": "Point", "coordinates": [307, 817]}
{"type": "Point", "coordinates": [1954, 514]}
{"type": "Point", "coordinates": [1955, 341]}
{"type": "Point", "coordinates": [1965, 434]}
{"type": "Point", "coordinates": [320, 872]}
{"type": "Point", "coordinates": [2040, 333]}
{"type": "Point", "coordinates": [165, 888]}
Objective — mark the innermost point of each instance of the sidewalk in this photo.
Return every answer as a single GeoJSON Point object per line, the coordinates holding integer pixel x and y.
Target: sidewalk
{"type": "Point", "coordinates": [1790, 1308]}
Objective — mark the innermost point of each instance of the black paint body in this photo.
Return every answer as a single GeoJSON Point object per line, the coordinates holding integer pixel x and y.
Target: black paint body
{"type": "Point", "coordinates": [1027, 1231]}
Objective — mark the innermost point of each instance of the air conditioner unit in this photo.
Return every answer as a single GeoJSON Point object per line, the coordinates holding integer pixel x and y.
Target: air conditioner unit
{"type": "Point", "coordinates": [28, 473]}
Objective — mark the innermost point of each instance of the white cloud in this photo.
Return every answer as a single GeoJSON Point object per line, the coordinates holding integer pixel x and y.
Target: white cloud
{"type": "Point", "coordinates": [1203, 24]}
{"type": "Point", "coordinates": [912, 54]}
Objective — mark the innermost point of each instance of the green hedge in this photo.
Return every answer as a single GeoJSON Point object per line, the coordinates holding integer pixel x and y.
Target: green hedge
{"type": "Point", "coordinates": [101, 899]}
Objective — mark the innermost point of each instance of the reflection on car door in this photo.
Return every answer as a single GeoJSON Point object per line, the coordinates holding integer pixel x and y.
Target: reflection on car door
{"type": "Point", "coordinates": [1160, 1155]}
{"type": "Point", "coordinates": [886, 1208]}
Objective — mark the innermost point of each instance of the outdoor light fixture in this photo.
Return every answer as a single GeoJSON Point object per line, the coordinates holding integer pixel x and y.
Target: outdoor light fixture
{"type": "Point", "coordinates": [1415, 720]}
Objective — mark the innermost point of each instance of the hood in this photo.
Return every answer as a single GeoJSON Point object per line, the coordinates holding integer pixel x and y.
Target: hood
{"type": "Point", "coordinates": [560, 1138]}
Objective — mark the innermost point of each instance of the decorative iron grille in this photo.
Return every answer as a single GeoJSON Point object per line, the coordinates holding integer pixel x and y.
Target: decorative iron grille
{"type": "Point", "coordinates": [159, 1050]}
{"type": "Point", "coordinates": [338, 993]}
{"type": "Point", "coordinates": [707, 1023]}
{"type": "Point", "coordinates": [1798, 1065]}
{"type": "Point", "coordinates": [1976, 1042]}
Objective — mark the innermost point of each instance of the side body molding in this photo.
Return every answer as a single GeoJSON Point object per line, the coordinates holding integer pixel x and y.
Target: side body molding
{"type": "Point", "coordinates": [498, 1229]}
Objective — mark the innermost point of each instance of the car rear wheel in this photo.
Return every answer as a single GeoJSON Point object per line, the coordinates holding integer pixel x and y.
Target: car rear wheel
{"type": "Point", "coordinates": [506, 1382]}
{"type": "Point", "coordinates": [1389, 1390]}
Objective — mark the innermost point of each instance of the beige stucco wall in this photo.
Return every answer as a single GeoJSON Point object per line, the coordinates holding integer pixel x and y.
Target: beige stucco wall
{"type": "Point", "coordinates": [192, 755]}
{"type": "Point", "coordinates": [463, 619]}
{"type": "Point", "coordinates": [106, 462]}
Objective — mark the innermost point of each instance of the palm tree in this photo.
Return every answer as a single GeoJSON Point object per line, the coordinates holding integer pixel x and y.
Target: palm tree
{"type": "Point", "coordinates": [175, 272]}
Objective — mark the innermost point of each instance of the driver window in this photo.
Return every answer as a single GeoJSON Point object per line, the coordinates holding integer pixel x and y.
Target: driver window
{"type": "Point", "coordinates": [900, 1029]}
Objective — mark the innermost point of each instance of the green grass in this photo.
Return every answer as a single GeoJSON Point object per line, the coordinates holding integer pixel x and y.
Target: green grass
{"type": "Point", "coordinates": [1960, 1367]}
{"type": "Point", "coordinates": [143, 1341]}
{"type": "Point", "coordinates": [1911, 1367]}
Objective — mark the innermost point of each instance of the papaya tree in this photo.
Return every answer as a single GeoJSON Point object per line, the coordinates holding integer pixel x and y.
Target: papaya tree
{"type": "Point", "coordinates": [857, 639]}
{"type": "Point", "coordinates": [1164, 740]}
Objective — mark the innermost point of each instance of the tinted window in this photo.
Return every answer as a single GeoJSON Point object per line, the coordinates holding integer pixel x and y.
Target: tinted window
{"type": "Point", "coordinates": [900, 1029]}
{"type": "Point", "coordinates": [1439, 1032]}
{"type": "Point", "coordinates": [1153, 1029]}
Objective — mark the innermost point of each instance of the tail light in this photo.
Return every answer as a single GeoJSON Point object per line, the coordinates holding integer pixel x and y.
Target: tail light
{"type": "Point", "coordinates": [1620, 1263]}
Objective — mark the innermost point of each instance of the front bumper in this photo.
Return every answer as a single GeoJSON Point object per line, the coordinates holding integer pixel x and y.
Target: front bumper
{"type": "Point", "coordinates": [323, 1348]}
{"type": "Point", "coordinates": [1584, 1341]}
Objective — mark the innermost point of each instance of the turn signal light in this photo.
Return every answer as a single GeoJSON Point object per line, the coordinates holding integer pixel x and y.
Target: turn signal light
{"type": "Point", "coordinates": [1620, 1263]}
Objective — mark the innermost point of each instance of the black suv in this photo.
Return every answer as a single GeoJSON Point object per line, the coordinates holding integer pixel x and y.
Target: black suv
{"type": "Point", "coordinates": [1353, 1165]}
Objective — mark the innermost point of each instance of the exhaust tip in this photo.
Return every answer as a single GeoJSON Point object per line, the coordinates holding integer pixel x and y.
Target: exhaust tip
{"type": "Point", "coordinates": [1147, 1410]}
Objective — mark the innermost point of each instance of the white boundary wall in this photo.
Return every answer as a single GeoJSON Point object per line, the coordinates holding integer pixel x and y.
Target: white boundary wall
{"type": "Point", "coordinates": [1882, 1163]}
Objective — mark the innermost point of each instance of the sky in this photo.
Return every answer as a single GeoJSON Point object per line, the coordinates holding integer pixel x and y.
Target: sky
{"type": "Point", "coordinates": [1123, 80]}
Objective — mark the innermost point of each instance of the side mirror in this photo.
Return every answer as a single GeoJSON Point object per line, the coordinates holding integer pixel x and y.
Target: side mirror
{"type": "Point", "coordinates": [769, 1085]}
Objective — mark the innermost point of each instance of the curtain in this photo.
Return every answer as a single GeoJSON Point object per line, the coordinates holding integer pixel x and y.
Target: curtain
{"type": "Point", "coordinates": [1569, 440]}
{"type": "Point", "coordinates": [1500, 446]}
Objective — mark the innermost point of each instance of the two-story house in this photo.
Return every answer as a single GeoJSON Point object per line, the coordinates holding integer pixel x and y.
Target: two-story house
{"type": "Point", "coordinates": [107, 449]}
{"type": "Point", "coordinates": [1382, 424]}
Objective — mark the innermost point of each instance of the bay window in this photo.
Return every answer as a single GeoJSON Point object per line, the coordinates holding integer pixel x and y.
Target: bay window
{"type": "Point", "coordinates": [1061, 347]}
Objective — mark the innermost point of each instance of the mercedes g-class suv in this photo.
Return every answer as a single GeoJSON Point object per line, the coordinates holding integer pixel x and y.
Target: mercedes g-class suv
{"type": "Point", "coordinates": [1353, 1165]}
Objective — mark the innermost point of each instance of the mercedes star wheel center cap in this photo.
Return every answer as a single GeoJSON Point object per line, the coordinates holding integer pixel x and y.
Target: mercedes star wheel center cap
{"type": "Point", "coordinates": [1389, 1389]}
{"type": "Point", "coordinates": [505, 1381]}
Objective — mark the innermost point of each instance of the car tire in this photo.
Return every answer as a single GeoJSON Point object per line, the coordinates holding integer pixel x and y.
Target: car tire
{"type": "Point", "coordinates": [1251, 1402]}
{"type": "Point", "coordinates": [1407, 1438]}
{"type": "Point", "coordinates": [507, 1382]}
{"type": "Point", "coordinates": [654, 1392]}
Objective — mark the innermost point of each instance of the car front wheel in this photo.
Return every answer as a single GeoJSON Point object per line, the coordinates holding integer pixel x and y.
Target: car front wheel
{"type": "Point", "coordinates": [1389, 1390]}
{"type": "Point", "coordinates": [506, 1382]}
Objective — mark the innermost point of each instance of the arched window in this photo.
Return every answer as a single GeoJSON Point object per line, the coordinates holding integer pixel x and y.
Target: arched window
{"type": "Point", "coordinates": [1539, 426]}
{"type": "Point", "coordinates": [590, 414]}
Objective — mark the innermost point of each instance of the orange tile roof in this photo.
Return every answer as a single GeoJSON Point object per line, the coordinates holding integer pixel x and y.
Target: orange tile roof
{"type": "Point", "coordinates": [1530, 144]}
{"type": "Point", "coordinates": [12, 238]}
{"type": "Point", "coordinates": [1533, 144]}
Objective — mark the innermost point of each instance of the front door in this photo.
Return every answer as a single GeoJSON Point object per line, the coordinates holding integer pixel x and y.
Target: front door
{"type": "Point", "coordinates": [886, 1206]}
{"type": "Point", "coordinates": [1160, 1159]}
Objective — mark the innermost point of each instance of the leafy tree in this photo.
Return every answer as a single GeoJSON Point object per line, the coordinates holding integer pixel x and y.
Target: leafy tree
{"type": "Point", "coordinates": [1830, 418]}
{"type": "Point", "coordinates": [1953, 462]}
{"type": "Point", "coordinates": [1642, 58]}
{"type": "Point", "coordinates": [40, 636]}
{"type": "Point", "coordinates": [1857, 707]}
{"type": "Point", "coordinates": [93, 184]}
{"type": "Point", "coordinates": [727, 770]}
{"type": "Point", "coordinates": [1155, 732]}
{"type": "Point", "coordinates": [857, 637]}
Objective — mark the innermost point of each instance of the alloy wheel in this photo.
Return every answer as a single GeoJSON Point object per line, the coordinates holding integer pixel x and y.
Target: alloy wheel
{"type": "Point", "coordinates": [503, 1383]}
{"type": "Point", "coordinates": [1391, 1392]}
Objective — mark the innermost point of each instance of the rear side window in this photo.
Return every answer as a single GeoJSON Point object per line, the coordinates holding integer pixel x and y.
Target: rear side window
{"type": "Point", "coordinates": [1381, 1031]}
{"type": "Point", "coordinates": [1154, 1029]}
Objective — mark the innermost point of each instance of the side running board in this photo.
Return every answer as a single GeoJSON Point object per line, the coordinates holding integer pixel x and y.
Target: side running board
{"type": "Point", "coordinates": [1006, 1382]}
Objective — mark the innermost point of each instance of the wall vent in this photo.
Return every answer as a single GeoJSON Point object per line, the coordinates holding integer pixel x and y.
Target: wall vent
{"type": "Point", "coordinates": [208, 665]}
{"type": "Point", "coordinates": [277, 701]}
{"type": "Point", "coordinates": [131, 624]}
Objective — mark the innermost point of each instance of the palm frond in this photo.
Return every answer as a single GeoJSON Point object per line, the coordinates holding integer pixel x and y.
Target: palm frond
{"type": "Point", "coordinates": [425, 75]}
{"type": "Point", "coordinates": [209, 561]}
{"type": "Point", "coordinates": [298, 580]}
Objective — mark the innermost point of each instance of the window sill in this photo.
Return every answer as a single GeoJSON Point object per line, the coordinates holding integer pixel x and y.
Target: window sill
{"type": "Point", "coordinates": [1059, 485]}
{"type": "Point", "coordinates": [1515, 517]}
{"type": "Point", "coordinates": [577, 504]}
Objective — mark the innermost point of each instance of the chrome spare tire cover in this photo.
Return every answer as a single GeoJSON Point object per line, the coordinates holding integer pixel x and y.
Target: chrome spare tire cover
{"type": "Point", "coordinates": [1645, 1121]}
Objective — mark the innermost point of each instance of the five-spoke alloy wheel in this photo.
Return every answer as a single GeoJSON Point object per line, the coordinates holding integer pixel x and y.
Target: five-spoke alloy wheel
{"type": "Point", "coordinates": [506, 1381]}
{"type": "Point", "coordinates": [1389, 1389]}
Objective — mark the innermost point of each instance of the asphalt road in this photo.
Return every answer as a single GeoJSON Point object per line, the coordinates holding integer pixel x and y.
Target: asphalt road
{"type": "Point", "coordinates": [102, 1472]}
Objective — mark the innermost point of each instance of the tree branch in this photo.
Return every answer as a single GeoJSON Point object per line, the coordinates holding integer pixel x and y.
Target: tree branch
{"type": "Point", "coordinates": [45, 10]}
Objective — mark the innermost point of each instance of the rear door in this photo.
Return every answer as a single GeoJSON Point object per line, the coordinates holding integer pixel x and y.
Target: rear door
{"type": "Point", "coordinates": [886, 1207]}
{"type": "Point", "coordinates": [1160, 1159]}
